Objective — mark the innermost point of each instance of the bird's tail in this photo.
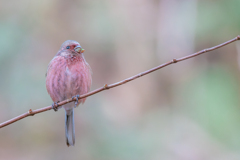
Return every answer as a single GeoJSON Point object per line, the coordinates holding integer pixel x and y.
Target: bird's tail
{"type": "Point", "coordinates": [69, 127]}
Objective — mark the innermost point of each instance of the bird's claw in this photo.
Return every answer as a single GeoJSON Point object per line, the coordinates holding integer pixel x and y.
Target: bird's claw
{"type": "Point", "coordinates": [76, 101]}
{"type": "Point", "coordinates": [55, 108]}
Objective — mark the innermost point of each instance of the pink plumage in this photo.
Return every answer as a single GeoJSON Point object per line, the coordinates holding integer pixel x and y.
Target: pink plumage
{"type": "Point", "coordinates": [68, 75]}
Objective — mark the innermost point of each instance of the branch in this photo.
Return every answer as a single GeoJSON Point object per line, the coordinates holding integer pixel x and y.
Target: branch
{"type": "Point", "coordinates": [105, 87]}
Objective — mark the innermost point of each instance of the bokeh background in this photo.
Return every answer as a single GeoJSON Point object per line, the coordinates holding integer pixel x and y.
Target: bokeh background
{"type": "Point", "coordinates": [186, 111]}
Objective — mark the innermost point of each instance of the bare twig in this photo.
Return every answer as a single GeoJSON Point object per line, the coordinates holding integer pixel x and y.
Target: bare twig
{"type": "Point", "coordinates": [105, 87]}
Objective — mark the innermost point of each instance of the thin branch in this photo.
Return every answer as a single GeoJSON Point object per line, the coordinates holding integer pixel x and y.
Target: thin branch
{"type": "Point", "coordinates": [105, 87]}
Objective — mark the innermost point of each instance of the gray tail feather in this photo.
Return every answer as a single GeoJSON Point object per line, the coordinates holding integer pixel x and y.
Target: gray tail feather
{"type": "Point", "coordinates": [69, 127]}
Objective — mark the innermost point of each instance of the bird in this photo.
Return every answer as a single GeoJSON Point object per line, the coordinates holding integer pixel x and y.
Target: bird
{"type": "Point", "coordinates": [68, 76]}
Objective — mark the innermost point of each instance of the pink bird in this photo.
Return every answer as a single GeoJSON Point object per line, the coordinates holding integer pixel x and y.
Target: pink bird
{"type": "Point", "coordinates": [68, 75]}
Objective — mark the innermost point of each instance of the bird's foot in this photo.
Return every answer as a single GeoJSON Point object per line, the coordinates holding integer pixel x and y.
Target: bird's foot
{"type": "Point", "coordinates": [76, 101]}
{"type": "Point", "coordinates": [55, 106]}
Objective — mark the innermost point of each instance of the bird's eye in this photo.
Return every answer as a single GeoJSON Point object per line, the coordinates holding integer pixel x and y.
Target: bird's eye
{"type": "Point", "coordinates": [67, 47]}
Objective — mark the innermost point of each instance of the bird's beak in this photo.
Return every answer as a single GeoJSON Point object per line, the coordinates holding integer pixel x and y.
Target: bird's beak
{"type": "Point", "coordinates": [79, 49]}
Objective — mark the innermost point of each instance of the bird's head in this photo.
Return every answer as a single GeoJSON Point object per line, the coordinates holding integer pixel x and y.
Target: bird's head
{"type": "Point", "coordinates": [71, 47]}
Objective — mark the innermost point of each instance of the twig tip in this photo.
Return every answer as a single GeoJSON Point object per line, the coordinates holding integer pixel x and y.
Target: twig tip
{"type": "Point", "coordinates": [238, 37]}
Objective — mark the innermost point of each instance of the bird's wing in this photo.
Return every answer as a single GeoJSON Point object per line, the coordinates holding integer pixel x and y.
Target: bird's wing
{"type": "Point", "coordinates": [56, 58]}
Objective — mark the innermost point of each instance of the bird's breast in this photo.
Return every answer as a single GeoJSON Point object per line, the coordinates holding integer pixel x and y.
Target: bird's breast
{"type": "Point", "coordinates": [68, 77]}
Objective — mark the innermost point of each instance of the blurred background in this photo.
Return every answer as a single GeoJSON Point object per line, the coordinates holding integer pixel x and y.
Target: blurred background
{"type": "Point", "coordinates": [186, 111]}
